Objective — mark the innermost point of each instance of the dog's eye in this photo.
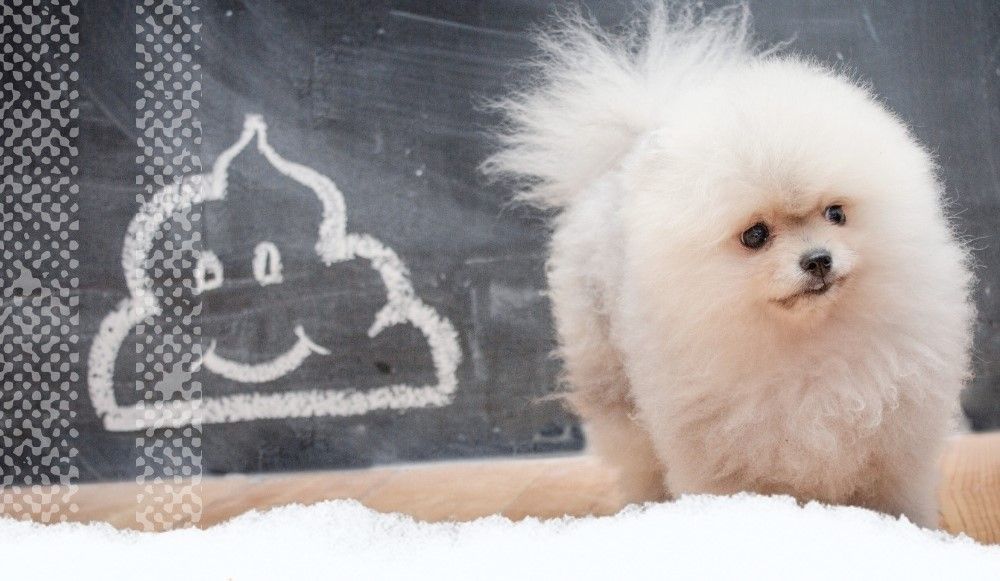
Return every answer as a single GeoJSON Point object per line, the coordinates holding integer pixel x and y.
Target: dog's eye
{"type": "Point", "coordinates": [755, 236]}
{"type": "Point", "coordinates": [835, 214]}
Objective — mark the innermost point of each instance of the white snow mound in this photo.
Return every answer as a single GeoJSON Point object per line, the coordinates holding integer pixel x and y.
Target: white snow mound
{"type": "Point", "coordinates": [703, 537]}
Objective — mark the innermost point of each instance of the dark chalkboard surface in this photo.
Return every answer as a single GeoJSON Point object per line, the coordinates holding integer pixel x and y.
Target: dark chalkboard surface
{"type": "Point", "coordinates": [382, 100]}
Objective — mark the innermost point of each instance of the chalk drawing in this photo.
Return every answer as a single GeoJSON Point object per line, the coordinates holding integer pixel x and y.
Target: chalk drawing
{"type": "Point", "coordinates": [334, 244]}
{"type": "Point", "coordinates": [208, 273]}
{"type": "Point", "coordinates": [263, 372]}
{"type": "Point", "coordinates": [267, 264]}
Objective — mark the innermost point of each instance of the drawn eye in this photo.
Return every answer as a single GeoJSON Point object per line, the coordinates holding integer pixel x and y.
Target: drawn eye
{"type": "Point", "coordinates": [835, 214]}
{"type": "Point", "coordinates": [208, 272]}
{"type": "Point", "coordinates": [267, 264]}
{"type": "Point", "coordinates": [755, 236]}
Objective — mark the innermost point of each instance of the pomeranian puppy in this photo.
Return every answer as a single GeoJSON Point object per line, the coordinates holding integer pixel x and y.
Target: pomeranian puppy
{"type": "Point", "coordinates": [755, 283]}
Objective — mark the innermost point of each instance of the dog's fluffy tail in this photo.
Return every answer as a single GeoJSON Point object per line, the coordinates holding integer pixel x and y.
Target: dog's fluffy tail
{"type": "Point", "coordinates": [592, 94]}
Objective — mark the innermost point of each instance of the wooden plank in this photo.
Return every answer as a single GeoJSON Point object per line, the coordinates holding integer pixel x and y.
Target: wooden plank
{"type": "Point", "coordinates": [573, 487]}
{"type": "Point", "coordinates": [543, 488]}
{"type": "Point", "coordinates": [970, 487]}
{"type": "Point", "coordinates": [457, 491]}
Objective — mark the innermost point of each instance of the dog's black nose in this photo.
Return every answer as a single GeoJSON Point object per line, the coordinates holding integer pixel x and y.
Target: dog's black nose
{"type": "Point", "coordinates": [816, 262]}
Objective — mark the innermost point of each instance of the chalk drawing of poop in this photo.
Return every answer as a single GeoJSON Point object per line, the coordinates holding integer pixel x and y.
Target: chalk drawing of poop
{"type": "Point", "coordinates": [334, 244]}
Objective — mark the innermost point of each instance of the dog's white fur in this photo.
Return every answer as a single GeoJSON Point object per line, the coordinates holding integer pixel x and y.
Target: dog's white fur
{"type": "Point", "coordinates": [694, 361]}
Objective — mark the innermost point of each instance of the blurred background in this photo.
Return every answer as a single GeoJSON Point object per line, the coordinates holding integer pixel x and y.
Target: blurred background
{"type": "Point", "coordinates": [384, 99]}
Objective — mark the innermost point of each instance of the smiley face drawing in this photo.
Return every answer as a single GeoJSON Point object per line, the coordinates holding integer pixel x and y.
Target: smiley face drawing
{"type": "Point", "coordinates": [333, 245]}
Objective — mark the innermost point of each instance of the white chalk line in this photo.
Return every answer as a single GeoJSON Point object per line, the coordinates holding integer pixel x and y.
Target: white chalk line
{"type": "Point", "coordinates": [333, 245]}
{"type": "Point", "coordinates": [208, 264]}
{"type": "Point", "coordinates": [267, 264]}
{"type": "Point", "coordinates": [277, 367]}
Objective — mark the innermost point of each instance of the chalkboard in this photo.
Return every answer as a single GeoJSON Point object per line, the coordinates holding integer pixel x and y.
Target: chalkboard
{"type": "Point", "coordinates": [363, 295]}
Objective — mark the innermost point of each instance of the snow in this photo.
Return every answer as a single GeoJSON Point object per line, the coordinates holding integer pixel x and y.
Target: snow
{"type": "Point", "coordinates": [746, 537]}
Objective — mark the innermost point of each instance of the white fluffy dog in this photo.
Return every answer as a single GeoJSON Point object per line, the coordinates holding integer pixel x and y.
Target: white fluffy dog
{"type": "Point", "coordinates": [755, 284]}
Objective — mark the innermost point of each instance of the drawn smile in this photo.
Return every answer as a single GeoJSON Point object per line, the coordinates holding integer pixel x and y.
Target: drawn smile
{"type": "Point", "coordinates": [267, 370]}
